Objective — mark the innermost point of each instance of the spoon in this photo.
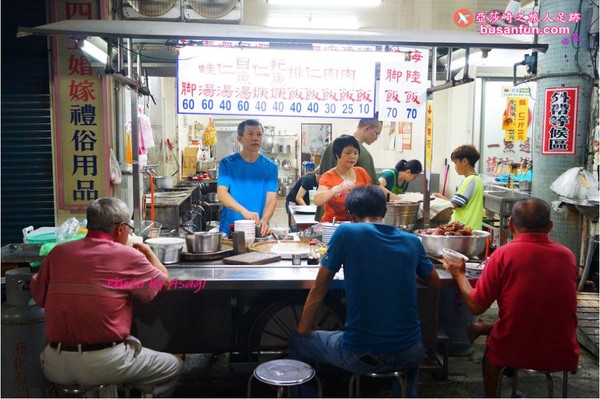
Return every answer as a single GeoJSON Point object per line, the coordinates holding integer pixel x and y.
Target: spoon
{"type": "Point", "coordinates": [275, 237]}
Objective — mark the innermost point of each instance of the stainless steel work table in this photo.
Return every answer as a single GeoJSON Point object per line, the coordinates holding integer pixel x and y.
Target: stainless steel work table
{"type": "Point", "coordinates": [277, 275]}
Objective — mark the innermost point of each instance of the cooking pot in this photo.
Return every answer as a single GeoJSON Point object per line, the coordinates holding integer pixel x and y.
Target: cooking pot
{"type": "Point", "coordinates": [203, 241]}
{"type": "Point", "coordinates": [267, 144]}
{"type": "Point", "coordinates": [525, 185]}
{"type": "Point", "coordinates": [285, 148]}
{"type": "Point", "coordinates": [213, 173]}
{"type": "Point", "coordinates": [167, 249]}
{"type": "Point", "coordinates": [287, 164]}
{"type": "Point", "coordinates": [161, 182]}
{"type": "Point", "coordinates": [285, 190]}
{"type": "Point", "coordinates": [402, 214]}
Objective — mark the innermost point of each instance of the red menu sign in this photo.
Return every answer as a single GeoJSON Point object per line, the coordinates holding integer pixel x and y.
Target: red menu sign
{"type": "Point", "coordinates": [560, 121]}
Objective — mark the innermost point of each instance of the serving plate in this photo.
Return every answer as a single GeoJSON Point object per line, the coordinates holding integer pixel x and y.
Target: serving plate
{"type": "Point", "coordinates": [285, 248]}
{"type": "Point", "coordinates": [305, 208]}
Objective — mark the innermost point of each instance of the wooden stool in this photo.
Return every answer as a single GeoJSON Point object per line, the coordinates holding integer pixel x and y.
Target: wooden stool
{"type": "Point", "coordinates": [548, 375]}
{"type": "Point", "coordinates": [400, 376]}
{"type": "Point", "coordinates": [83, 391]}
{"type": "Point", "coordinates": [282, 373]}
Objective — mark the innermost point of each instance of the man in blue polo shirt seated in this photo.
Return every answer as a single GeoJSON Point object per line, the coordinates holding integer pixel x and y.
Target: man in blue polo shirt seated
{"type": "Point", "coordinates": [381, 264]}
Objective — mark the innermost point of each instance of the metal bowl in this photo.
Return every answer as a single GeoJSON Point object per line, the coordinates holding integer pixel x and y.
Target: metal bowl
{"type": "Point", "coordinates": [167, 249]}
{"type": "Point", "coordinates": [470, 246]}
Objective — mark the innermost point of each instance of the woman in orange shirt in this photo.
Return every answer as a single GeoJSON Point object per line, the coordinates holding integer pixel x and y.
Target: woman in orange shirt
{"type": "Point", "coordinates": [336, 182]}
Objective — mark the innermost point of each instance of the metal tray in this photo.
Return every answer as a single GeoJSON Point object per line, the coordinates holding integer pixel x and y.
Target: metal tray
{"type": "Point", "coordinates": [202, 256]}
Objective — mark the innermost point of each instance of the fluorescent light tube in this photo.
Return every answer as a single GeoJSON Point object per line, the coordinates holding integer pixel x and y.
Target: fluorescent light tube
{"type": "Point", "coordinates": [326, 3]}
{"type": "Point", "coordinates": [94, 51]}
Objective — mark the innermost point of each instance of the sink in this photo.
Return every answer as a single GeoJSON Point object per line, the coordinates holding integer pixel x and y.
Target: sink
{"type": "Point", "coordinates": [501, 201]}
{"type": "Point", "coordinates": [586, 207]}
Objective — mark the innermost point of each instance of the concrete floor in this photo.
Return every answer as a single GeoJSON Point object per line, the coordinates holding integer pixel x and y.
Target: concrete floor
{"type": "Point", "coordinates": [208, 375]}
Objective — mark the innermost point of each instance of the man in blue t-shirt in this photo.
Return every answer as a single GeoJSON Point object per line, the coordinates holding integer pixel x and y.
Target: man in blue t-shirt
{"type": "Point", "coordinates": [247, 183]}
{"type": "Point", "coordinates": [381, 266]}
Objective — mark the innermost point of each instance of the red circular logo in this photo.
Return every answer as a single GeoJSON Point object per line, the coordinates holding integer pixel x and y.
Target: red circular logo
{"type": "Point", "coordinates": [463, 18]}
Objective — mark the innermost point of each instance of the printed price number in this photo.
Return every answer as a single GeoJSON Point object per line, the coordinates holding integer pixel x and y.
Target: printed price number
{"type": "Point", "coordinates": [393, 113]}
{"type": "Point", "coordinates": [190, 104]}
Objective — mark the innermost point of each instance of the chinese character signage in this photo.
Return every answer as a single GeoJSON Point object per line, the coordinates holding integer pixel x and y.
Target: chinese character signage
{"type": "Point", "coordinates": [403, 85]}
{"type": "Point", "coordinates": [245, 81]}
{"type": "Point", "coordinates": [81, 144]}
{"type": "Point", "coordinates": [516, 119]}
{"type": "Point", "coordinates": [560, 121]}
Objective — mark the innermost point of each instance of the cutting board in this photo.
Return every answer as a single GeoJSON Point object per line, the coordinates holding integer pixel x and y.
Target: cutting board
{"type": "Point", "coordinates": [252, 258]}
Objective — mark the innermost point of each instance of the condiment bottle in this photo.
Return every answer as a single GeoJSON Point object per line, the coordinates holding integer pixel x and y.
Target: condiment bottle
{"type": "Point", "coordinates": [322, 252]}
{"type": "Point", "coordinates": [313, 256]}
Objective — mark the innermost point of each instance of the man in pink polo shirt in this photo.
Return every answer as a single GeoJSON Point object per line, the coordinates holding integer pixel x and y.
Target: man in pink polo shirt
{"type": "Point", "coordinates": [88, 315]}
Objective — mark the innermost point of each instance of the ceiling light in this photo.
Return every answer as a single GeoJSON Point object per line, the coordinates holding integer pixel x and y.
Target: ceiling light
{"type": "Point", "coordinates": [310, 21]}
{"type": "Point", "coordinates": [96, 48]}
{"type": "Point", "coordinates": [326, 3]}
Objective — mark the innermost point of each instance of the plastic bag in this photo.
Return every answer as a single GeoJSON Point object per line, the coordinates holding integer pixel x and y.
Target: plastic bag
{"type": "Point", "coordinates": [575, 183]}
{"type": "Point", "coordinates": [115, 170]}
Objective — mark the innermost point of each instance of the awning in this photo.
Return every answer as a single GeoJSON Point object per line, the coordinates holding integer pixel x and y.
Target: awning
{"type": "Point", "coordinates": [158, 30]}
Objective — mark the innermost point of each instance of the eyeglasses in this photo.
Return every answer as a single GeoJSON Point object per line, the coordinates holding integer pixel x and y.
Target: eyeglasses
{"type": "Point", "coordinates": [130, 225]}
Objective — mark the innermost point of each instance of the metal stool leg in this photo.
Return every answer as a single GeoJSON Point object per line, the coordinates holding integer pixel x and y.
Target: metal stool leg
{"type": "Point", "coordinates": [565, 383]}
{"type": "Point", "coordinates": [550, 385]}
{"type": "Point", "coordinates": [514, 384]}
{"type": "Point", "coordinates": [249, 388]}
{"type": "Point", "coordinates": [592, 243]}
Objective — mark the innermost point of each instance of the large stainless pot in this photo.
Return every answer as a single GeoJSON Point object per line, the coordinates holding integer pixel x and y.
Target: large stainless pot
{"type": "Point", "coordinates": [402, 214]}
{"type": "Point", "coordinates": [470, 246]}
{"type": "Point", "coordinates": [167, 249]}
{"type": "Point", "coordinates": [203, 241]}
{"type": "Point", "coordinates": [162, 182]}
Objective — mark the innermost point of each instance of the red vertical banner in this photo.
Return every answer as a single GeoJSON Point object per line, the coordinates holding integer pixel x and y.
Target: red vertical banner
{"type": "Point", "coordinates": [81, 140]}
{"type": "Point", "coordinates": [560, 121]}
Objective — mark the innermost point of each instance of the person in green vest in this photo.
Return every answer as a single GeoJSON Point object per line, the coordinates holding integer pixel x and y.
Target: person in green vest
{"type": "Point", "coordinates": [395, 181]}
{"type": "Point", "coordinates": [468, 199]}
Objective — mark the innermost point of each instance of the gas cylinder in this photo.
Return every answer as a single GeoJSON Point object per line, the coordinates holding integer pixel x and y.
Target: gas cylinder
{"type": "Point", "coordinates": [23, 339]}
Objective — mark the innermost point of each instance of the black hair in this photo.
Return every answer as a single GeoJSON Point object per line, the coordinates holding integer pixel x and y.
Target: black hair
{"type": "Point", "coordinates": [531, 214]}
{"type": "Point", "coordinates": [467, 152]}
{"type": "Point", "coordinates": [248, 122]}
{"type": "Point", "coordinates": [366, 201]}
{"type": "Point", "coordinates": [413, 165]}
{"type": "Point", "coordinates": [342, 142]}
{"type": "Point", "coordinates": [370, 121]}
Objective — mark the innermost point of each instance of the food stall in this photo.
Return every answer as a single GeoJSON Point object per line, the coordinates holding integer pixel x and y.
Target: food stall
{"type": "Point", "coordinates": [231, 308]}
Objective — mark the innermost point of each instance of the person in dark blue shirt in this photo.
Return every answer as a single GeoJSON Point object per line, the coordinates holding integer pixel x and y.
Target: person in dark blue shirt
{"type": "Point", "coordinates": [381, 263]}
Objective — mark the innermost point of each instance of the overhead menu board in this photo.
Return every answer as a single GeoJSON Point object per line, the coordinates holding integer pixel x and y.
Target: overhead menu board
{"type": "Point", "coordinates": [270, 82]}
{"type": "Point", "coordinates": [403, 85]}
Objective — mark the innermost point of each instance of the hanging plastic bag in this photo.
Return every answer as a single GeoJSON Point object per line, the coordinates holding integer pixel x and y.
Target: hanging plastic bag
{"type": "Point", "coordinates": [115, 170]}
{"type": "Point", "coordinates": [575, 183]}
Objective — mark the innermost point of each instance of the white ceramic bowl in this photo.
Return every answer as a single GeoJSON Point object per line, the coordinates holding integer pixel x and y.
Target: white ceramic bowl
{"type": "Point", "coordinates": [474, 270]}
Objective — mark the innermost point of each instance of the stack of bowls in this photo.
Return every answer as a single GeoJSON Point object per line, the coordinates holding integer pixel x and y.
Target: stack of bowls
{"type": "Point", "coordinates": [328, 230]}
{"type": "Point", "coordinates": [249, 229]}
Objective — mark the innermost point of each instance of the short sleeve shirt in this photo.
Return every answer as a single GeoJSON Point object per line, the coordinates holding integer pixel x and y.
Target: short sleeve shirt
{"type": "Point", "coordinates": [336, 207]}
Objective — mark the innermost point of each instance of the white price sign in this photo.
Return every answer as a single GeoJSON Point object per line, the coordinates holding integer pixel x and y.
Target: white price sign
{"type": "Point", "coordinates": [234, 81]}
{"type": "Point", "coordinates": [403, 85]}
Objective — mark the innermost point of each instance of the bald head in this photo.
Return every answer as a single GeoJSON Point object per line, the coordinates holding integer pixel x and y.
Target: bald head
{"type": "Point", "coordinates": [531, 215]}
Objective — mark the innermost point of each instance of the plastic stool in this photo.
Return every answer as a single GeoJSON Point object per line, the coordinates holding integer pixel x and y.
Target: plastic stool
{"type": "Point", "coordinates": [354, 384]}
{"type": "Point", "coordinates": [565, 382]}
{"type": "Point", "coordinates": [282, 373]}
{"type": "Point", "coordinates": [84, 391]}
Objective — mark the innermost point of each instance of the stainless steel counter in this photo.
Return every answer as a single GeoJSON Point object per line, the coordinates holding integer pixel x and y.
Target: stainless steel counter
{"type": "Point", "coordinates": [278, 275]}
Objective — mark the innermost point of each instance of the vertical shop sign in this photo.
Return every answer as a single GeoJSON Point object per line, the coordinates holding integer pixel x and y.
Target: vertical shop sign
{"type": "Point", "coordinates": [560, 121]}
{"type": "Point", "coordinates": [81, 144]}
{"type": "Point", "coordinates": [429, 134]}
{"type": "Point", "coordinates": [516, 119]}
{"type": "Point", "coordinates": [403, 85]}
